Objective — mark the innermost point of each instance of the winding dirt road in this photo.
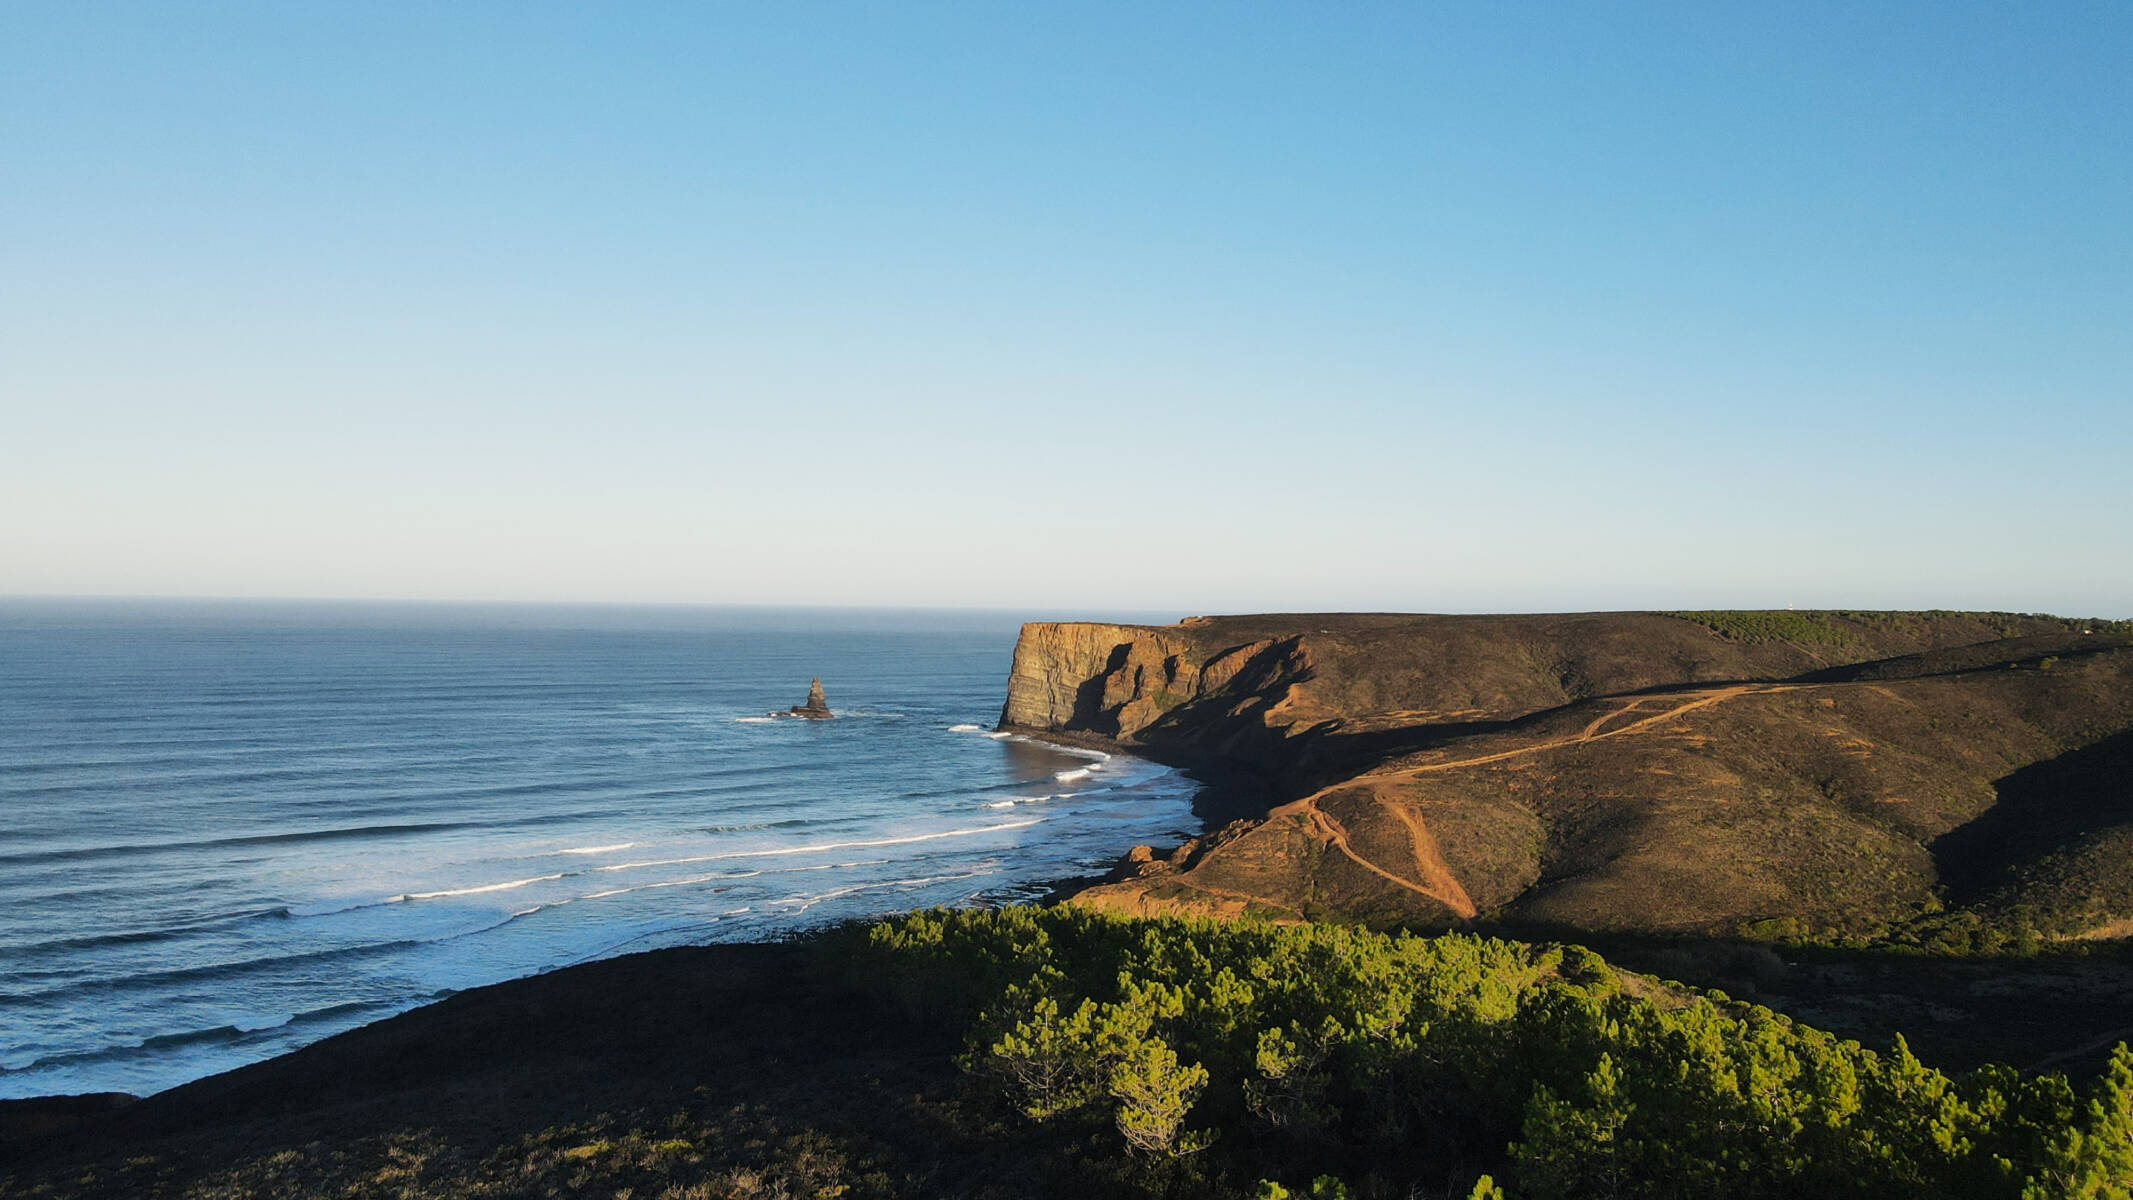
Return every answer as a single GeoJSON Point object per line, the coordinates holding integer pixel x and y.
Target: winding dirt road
{"type": "Point", "coordinates": [1433, 876]}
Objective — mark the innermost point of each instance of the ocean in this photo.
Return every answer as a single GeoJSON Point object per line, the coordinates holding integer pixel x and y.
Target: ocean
{"type": "Point", "coordinates": [230, 829]}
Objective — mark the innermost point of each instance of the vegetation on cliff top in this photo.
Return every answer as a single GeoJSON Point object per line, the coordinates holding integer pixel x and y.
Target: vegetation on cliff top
{"type": "Point", "coordinates": [1828, 627]}
{"type": "Point", "coordinates": [1752, 628]}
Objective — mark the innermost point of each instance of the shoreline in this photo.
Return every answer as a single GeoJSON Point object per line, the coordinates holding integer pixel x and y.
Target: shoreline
{"type": "Point", "coordinates": [30, 1116]}
{"type": "Point", "coordinates": [1223, 793]}
{"type": "Point", "coordinates": [1227, 792]}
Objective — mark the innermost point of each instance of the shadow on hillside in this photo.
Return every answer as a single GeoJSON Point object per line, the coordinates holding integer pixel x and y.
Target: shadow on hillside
{"type": "Point", "coordinates": [2041, 808]}
{"type": "Point", "coordinates": [1957, 1012]}
{"type": "Point", "coordinates": [1962, 660]}
{"type": "Point", "coordinates": [1337, 749]}
{"type": "Point", "coordinates": [718, 1037]}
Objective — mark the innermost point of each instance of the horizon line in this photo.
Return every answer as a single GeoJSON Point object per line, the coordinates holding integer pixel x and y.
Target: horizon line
{"type": "Point", "coordinates": [436, 602]}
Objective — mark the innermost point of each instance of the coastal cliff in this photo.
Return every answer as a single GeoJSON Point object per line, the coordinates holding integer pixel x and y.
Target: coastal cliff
{"type": "Point", "coordinates": [1066, 674]}
{"type": "Point", "coordinates": [1785, 773]}
{"type": "Point", "coordinates": [1154, 687]}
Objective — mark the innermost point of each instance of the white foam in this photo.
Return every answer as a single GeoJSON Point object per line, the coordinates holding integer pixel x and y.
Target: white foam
{"type": "Point", "coordinates": [819, 847]}
{"type": "Point", "coordinates": [1071, 776]}
{"type": "Point", "coordinates": [1011, 801]}
{"type": "Point", "coordinates": [999, 735]}
{"type": "Point", "coordinates": [754, 720]}
{"type": "Point", "coordinates": [597, 849]}
{"type": "Point", "coordinates": [843, 866]}
{"type": "Point", "coordinates": [472, 891]}
{"type": "Point", "coordinates": [966, 729]}
{"type": "Point", "coordinates": [646, 887]}
{"type": "Point", "coordinates": [800, 904]}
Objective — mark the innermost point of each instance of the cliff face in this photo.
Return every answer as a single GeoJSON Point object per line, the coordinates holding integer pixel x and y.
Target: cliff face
{"type": "Point", "coordinates": [1706, 771]}
{"type": "Point", "coordinates": [1120, 680]}
{"type": "Point", "coordinates": [1064, 671]}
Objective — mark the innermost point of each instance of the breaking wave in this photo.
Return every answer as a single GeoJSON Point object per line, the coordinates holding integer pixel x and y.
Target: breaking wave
{"type": "Point", "coordinates": [343, 822]}
{"type": "Point", "coordinates": [818, 848]}
{"type": "Point", "coordinates": [512, 885]}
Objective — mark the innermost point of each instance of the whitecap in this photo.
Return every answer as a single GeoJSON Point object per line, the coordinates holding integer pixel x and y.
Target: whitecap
{"type": "Point", "coordinates": [472, 891]}
{"type": "Point", "coordinates": [966, 729]}
{"type": "Point", "coordinates": [754, 720]}
{"type": "Point", "coordinates": [1011, 801]}
{"type": "Point", "coordinates": [819, 847]}
{"type": "Point", "coordinates": [800, 904]}
{"type": "Point", "coordinates": [597, 849]}
{"type": "Point", "coordinates": [646, 887]}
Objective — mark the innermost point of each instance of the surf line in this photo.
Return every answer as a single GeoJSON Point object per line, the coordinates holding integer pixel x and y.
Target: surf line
{"type": "Point", "coordinates": [814, 848]}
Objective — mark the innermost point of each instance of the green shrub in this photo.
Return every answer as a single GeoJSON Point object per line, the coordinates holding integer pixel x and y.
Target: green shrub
{"type": "Point", "coordinates": [1753, 627]}
{"type": "Point", "coordinates": [1330, 1041]}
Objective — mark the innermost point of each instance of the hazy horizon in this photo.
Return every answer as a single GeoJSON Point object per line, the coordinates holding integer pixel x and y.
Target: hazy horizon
{"type": "Point", "coordinates": [1192, 308]}
{"type": "Point", "coordinates": [1141, 615]}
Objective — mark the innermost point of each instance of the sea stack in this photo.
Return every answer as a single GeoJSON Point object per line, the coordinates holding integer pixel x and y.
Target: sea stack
{"type": "Point", "coordinates": [817, 708]}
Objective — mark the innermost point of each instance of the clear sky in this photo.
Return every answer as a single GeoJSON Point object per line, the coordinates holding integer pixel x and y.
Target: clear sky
{"type": "Point", "coordinates": [1215, 307]}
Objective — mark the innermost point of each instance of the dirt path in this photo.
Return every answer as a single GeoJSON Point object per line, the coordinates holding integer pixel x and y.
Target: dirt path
{"type": "Point", "coordinates": [1453, 897]}
{"type": "Point", "coordinates": [1433, 875]}
{"type": "Point", "coordinates": [1591, 732]}
{"type": "Point", "coordinates": [1592, 728]}
{"type": "Point", "coordinates": [1435, 878]}
{"type": "Point", "coordinates": [1434, 869]}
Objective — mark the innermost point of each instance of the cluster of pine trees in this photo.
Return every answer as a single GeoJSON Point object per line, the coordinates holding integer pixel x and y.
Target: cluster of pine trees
{"type": "Point", "coordinates": [1210, 1055]}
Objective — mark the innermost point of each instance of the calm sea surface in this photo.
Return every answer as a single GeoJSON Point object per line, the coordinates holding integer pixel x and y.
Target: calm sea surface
{"type": "Point", "coordinates": [229, 830]}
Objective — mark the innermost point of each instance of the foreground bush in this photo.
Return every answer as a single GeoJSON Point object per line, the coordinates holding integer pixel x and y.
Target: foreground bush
{"type": "Point", "coordinates": [1208, 1052]}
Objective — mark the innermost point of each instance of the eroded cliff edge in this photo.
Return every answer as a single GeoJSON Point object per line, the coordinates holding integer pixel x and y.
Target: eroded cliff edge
{"type": "Point", "coordinates": [1642, 771]}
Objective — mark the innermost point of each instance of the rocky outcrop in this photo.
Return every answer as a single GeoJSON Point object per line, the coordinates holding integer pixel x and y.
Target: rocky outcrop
{"type": "Point", "coordinates": [1172, 690]}
{"type": "Point", "coordinates": [1129, 680]}
{"type": "Point", "coordinates": [817, 707]}
{"type": "Point", "coordinates": [1062, 672]}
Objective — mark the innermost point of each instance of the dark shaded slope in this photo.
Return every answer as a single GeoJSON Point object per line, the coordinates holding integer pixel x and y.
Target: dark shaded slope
{"type": "Point", "coordinates": [750, 1068]}
{"type": "Point", "coordinates": [2056, 848]}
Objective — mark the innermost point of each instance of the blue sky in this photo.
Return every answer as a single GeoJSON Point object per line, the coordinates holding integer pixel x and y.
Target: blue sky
{"type": "Point", "coordinates": [1205, 307]}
